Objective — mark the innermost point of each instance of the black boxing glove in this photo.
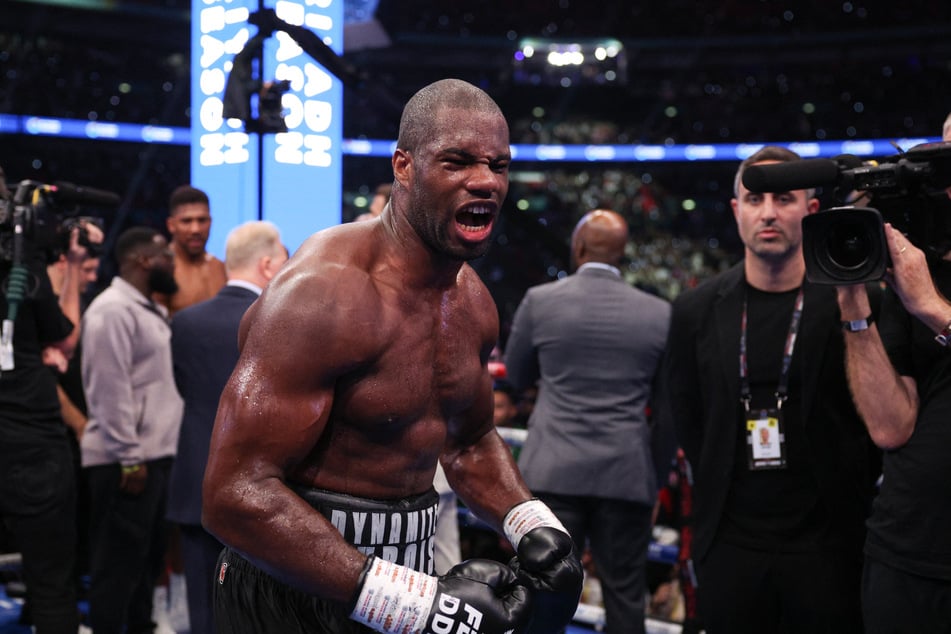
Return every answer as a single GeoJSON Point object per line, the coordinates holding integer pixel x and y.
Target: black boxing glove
{"type": "Point", "coordinates": [547, 563]}
{"type": "Point", "coordinates": [475, 597]}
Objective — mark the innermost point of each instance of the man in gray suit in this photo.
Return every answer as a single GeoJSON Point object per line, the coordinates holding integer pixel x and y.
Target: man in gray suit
{"type": "Point", "coordinates": [204, 353]}
{"type": "Point", "coordinates": [594, 344]}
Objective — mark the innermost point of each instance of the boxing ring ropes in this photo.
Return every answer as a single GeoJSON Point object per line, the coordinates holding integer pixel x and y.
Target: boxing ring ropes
{"type": "Point", "coordinates": [661, 549]}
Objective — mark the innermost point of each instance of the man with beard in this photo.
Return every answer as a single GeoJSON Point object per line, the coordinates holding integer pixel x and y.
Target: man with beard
{"type": "Point", "coordinates": [363, 363]}
{"type": "Point", "coordinates": [757, 352]}
{"type": "Point", "coordinates": [131, 437]}
{"type": "Point", "coordinates": [199, 274]}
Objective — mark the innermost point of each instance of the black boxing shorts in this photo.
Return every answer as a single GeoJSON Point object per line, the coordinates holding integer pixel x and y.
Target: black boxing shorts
{"type": "Point", "coordinates": [250, 601]}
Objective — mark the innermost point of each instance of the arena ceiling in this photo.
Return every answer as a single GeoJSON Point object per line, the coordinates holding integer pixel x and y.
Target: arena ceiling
{"type": "Point", "coordinates": [673, 51]}
{"type": "Point", "coordinates": [694, 72]}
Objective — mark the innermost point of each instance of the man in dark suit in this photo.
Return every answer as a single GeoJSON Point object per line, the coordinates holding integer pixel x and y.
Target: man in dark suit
{"type": "Point", "coordinates": [595, 343]}
{"type": "Point", "coordinates": [754, 381]}
{"type": "Point", "coordinates": [204, 353]}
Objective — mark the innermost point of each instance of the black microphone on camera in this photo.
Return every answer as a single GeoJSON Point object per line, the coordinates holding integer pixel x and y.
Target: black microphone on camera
{"type": "Point", "coordinates": [791, 175]}
{"type": "Point", "coordinates": [68, 192]}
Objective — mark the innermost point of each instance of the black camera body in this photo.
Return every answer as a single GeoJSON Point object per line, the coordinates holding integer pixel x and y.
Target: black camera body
{"type": "Point", "coordinates": [40, 217]}
{"type": "Point", "coordinates": [93, 249]}
{"type": "Point", "coordinates": [845, 244]}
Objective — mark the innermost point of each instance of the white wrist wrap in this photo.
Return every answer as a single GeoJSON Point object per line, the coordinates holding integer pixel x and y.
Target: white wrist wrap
{"type": "Point", "coordinates": [526, 516]}
{"type": "Point", "coordinates": [394, 598]}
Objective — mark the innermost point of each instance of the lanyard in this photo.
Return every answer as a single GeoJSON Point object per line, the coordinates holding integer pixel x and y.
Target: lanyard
{"type": "Point", "coordinates": [782, 390]}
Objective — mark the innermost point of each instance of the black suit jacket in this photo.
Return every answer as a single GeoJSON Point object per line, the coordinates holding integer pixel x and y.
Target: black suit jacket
{"type": "Point", "coordinates": [700, 396]}
{"type": "Point", "coordinates": [204, 353]}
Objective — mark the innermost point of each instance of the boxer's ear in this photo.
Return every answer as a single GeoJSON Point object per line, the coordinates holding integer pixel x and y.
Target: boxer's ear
{"type": "Point", "coordinates": [402, 167]}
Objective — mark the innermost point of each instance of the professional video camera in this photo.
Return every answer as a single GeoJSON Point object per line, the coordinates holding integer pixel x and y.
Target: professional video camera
{"type": "Point", "coordinates": [38, 220]}
{"type": "Point", "coordinates": [846, 244]}
{"type": "Point", "coordinates": [40, 217]}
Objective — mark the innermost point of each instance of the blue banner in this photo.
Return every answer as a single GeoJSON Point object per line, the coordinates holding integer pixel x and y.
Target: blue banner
{"type": "Point", "coordinates": [292, 178]}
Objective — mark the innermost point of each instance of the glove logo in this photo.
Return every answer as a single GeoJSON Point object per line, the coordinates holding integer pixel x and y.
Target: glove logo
{"type": "Point", "coordinates": [449, 619]}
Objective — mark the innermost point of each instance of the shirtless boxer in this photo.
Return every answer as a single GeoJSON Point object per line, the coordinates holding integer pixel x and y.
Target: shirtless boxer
{"type": "Point", "coordinates": [362, 364]}
{"type": "Point", "coordinates": [199, 274]}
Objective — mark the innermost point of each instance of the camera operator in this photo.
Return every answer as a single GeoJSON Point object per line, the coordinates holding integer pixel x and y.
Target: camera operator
{"type": "Point", "coordinates": [899, 372]}
{"type": "Point", "coordinates": [37, 481]}
{"type": "Point", "coordinates": [779, 514]}
{"type": "Point", "coordinates": [71, 397]}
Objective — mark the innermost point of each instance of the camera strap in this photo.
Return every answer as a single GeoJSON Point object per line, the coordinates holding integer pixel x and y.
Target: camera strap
{"type": "Point", "coordinates": [16, 290]}
{"type": "Point", "coordinates": [6, 346]}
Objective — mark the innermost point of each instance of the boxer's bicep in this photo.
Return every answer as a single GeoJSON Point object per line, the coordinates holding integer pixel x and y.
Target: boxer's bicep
{"type": "Point", "coordinates": [275, 405]}
{"type": "Point", "coordinates": [278, 399]}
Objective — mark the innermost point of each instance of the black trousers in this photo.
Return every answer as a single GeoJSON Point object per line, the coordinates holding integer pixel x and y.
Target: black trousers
{"type": "Point", "coordinates": [618, 533]}
{"type": "Point", "coordinates": [744, 591]}
{"type": "Point", "coordinates": [250, 601]}
{"type": "Point", "coordinates": [38, 507]}
{"type": "Point", "coordinates": [128, 535]}
{"type": "Point", "coordinates": [897, 602]}
{"type": "Point", "coordinates": [200, 551]}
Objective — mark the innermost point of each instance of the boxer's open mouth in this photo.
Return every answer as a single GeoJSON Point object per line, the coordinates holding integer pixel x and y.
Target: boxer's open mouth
{"type": "Point", "coordinates": [475, 217]}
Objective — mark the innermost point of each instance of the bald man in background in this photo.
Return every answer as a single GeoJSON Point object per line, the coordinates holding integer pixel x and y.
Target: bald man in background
{"type": "Point", "coordinates": [594, 344]}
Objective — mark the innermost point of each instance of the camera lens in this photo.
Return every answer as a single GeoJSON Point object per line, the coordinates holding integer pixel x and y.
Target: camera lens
{"type": "Point", "coordinates": [849, 245]}
{"type": "Point", "coordinates": [844, 245]}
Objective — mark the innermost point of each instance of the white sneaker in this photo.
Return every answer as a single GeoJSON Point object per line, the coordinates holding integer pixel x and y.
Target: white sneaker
{"type": "Point", "coordinates": [178, 604]}
{"type": "Point", "coordinates": [160, 610]}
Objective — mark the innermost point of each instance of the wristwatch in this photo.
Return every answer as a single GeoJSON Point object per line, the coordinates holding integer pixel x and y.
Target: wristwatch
{"type": "Point", "coordinates": [944, 337]}
{"type": "Point", "coordinates": [857, 325]}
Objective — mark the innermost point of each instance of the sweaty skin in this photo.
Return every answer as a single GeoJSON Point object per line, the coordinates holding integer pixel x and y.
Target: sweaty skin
{"type": "Point", "coordinates": [198, 279]}
{"type": "Point", "coordinates": [365, 361]}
